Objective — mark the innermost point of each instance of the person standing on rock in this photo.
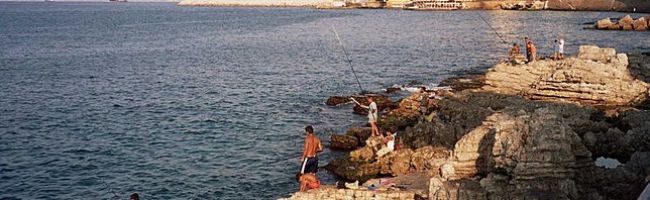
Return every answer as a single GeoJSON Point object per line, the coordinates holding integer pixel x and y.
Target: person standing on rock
{"type": "Point", "coordinates": [560, 47]}
{"type": "Point", "coordinates": [372, 116]}
{"type": "Point", "coordinates": [311, 148]}
{"type": "Point", "coordinates": [531, 50]}
{"type": "Point", "coordinates": [556, 50]}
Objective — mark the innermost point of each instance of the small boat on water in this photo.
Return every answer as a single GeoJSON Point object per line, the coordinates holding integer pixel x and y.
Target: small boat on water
{"type": "Point", "coordinates": [435, 5]}
{"type": "Point", "coordinates": [117, 1]}
{"type": "Point", "coordinates": [49, 0]}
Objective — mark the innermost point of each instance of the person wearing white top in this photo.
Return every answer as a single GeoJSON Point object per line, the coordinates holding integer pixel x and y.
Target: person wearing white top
{"type": "Point", "coordinates": [390, 144]}
{"type": "Point", "coordinates": [372, 116]}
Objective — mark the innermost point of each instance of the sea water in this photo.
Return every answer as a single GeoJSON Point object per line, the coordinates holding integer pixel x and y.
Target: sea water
{"type": "Point", "coordinates": [99, 100]}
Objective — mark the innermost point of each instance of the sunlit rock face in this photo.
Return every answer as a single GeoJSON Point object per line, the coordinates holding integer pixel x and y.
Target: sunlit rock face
{"type": "Point", "coordinates": [597, 77]}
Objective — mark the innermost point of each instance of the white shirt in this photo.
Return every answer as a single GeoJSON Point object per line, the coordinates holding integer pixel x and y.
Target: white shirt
{"type": "Point", "coordinates": [391, 143]}
{"type": "Point", "coordinates": [560, 46]}
{"type": "Point", "coordinates": [372, 111]}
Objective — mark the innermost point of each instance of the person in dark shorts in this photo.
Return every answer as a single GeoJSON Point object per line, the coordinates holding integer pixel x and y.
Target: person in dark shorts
{"type": "Point", "coordinates": [312, 147]}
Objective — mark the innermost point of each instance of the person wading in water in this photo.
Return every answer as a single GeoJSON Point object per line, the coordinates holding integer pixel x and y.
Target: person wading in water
{"type": "Point", "coordinates": [312, 147]}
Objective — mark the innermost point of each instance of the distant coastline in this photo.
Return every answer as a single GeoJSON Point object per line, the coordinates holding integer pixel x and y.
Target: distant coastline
{"type": "Point", "coordinates": [566, 5]}
{"type": "Point", "coordinates": [255, 3]}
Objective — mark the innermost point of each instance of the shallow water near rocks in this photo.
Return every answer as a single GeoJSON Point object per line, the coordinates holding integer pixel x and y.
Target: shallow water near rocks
{"type": "Point", "coordinates": [210, 103]}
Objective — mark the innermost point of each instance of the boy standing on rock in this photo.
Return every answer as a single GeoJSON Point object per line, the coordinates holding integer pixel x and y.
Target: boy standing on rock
{"type": "Point", "coordinates": [531, 50]}
{"type": "Point", "coordinates": [311, 148]}
{"type": "Point", "coordinates": [372, 116]}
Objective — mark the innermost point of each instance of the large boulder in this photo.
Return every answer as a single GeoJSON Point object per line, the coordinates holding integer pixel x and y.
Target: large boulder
{"type": "Point", "coordinates": [362, 154]}
{"type": "Point", "coordinates": [361, 133]}
{"type": "Point", "coordinates": [598, 77]}
{"type": "Point", "coordinates": [536, 151]}
{"type": "Point", "coordinates": [429, 159]}
{"type": "Point", "coordinates": [336, 100]}
{"type": "Point", "coordinates": [626, 23]}
{"type": "Point", "coordinates": [400, 161]}
{"type": "Point", "coordinates": [614, 26]}
{"type": "Point", "coordinates": [343, 142]}
{"type": "Point", "coordinates": [603, 23]}
{"type": "Point", "coordinates": [640, 24]}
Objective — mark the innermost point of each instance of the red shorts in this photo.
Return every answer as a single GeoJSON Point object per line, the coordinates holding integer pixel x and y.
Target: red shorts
{"type": "Point", "coordinates": [313, 185]}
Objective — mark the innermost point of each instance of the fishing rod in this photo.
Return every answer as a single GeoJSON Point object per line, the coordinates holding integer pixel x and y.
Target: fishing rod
{"type": "Point", "coordinates": [493, 29]}
{"type": "Point", "coordinates": [347, 58]}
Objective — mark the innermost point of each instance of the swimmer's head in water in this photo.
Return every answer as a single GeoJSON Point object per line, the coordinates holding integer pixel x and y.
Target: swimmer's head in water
{"type": "Point", "coordinates": [134, 196]}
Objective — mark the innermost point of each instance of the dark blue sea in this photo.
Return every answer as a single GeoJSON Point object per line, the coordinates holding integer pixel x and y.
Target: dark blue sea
{"type": "Point", "coordinates": [99, 100]}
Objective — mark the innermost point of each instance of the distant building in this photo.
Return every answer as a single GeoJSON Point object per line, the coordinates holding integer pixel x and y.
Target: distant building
{"type": "Point", "coordinates": [404, 3]}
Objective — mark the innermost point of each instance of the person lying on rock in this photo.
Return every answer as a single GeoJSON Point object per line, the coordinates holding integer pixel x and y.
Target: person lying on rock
{"type": "Point", "coordinates": [307, 181]}
{"type": "Point", "coordinates": [389, 140]}
{"type": "Point", "coordinates": [312, 147]}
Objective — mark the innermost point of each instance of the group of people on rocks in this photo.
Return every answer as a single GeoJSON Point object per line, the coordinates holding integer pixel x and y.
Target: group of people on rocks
{"type": "Point", "coordinates": [382, 144]}
{"type": "Point", "coordinates": [531, 50]}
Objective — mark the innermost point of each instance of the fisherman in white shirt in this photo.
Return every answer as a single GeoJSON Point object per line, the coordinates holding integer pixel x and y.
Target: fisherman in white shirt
{"type": "Point", "coordinates": [372, 115]}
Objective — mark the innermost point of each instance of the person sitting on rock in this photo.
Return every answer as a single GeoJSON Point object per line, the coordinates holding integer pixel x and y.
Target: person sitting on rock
{"type": "Point", "coordinates": [389, 140]}
{"type": "Point", "coordinates": [307, 181]}
{"type": "Point", "coordinates": [312, 147]}
{"type": "Point", "coordinates": [514, 52]}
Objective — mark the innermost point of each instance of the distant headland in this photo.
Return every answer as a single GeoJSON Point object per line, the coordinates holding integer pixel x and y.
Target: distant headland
{"type": "Point", "coordinates": [568, 5]}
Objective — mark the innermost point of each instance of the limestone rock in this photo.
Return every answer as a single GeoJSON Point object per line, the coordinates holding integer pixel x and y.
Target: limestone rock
{"type": "Point", "coordinates": [640, 24]}
{"type": "Point", "coordinates": [343, 142]}
{"type": "Point", "coordinates": [429, 158]}
{"type": "Point", "coordinates": [336, 100]}
{"type": "Point", "coordinates": [626, 23]}
{"type": "Point", "coordinates": [603, 23]}
{"type": "Point", "coordinates": [464, 82]}
{"type": "Point", "coordinates": [614, 26]}
{"type": "Point", "coordinates": [639, 163]}
{"type": "Point", "coordinates": [595, 53]}
{"type": "Point", "coordinates": [538, 152]}
{"type": "Point", "coordinates": [361, 133]}
{"type": "Point", "coordinates": [598, 76]}
{"type": "Point", "coordinates": [400, 161]}
{"type": "Point", "coordinates": [412, 102]}
{"type": "Point", "coordinates": [362, 154]}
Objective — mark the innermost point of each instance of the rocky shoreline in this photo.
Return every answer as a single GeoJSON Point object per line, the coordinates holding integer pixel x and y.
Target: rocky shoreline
{"type": "Point", "coordinates": [559, 5]}
{"type": "Point", "coordinates": [519, 131]}
{"type": "Point", "coordinates": [626, 23]}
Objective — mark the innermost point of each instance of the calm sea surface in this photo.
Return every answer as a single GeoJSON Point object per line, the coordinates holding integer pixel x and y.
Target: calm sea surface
{"type": "Point", "coordinates": [210, 103]}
